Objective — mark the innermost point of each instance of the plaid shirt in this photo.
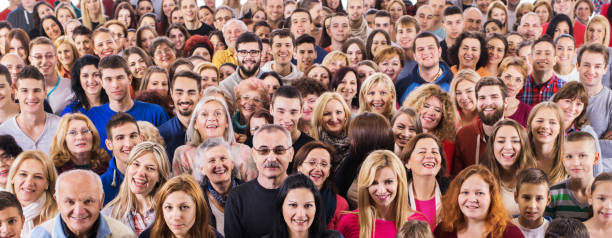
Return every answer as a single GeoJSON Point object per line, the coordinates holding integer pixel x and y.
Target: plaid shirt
{"type": "Point", "coordinates": [533, 94]}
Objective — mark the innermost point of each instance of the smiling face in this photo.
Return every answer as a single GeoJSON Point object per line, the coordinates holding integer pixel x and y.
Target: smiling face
{"type": "Point", "coordinates": [453, 25]}
{"type": "Point", "coordinates": [31, 95]}
{"type": "Point", "coordinates": [217, 165]}
{"type": "Point", "coordinates": [179, 211]}
{"type": "Point", "coordinates": [51, 28]}
{"type": "Point", "coordinates": [377, 41]}
{"type": "Point", "coordinates": [308, 105]}
{"type": "Point", "coordinates": [15, 46]}
{"type": "Point", "coordinates": [305, 54]}
{"type": "Point", "coordinates": [6, 160]}
{"type": "Point", "coordinates": [147, 38]}
{"type": "Point", "coordinates": [490, 104]}
{"type": "Point", "coordinates": [248, 102]}
{"type": "Point", "coordinates": [364, 72]}
{"type": "Point", "coordinates": [430, 114]}
{"type": "Point", "coordinates": [185, 93]}
{"type": "Point", "coordinates": [348, 87]}
{"type": "Point", "coordinates": [496, 50]}
{"type": "Point", "coordinates": [514, 80]}
{"type": "Point", "coordinates": [562, 28]}
{"type": "Point", "coordinates": [79, 203]}
{"type": "Point", "coordinates": [300, 24]}
{"type": "Point", "coordinates": [30, 181]}
{"type": "Point", "coordinates": [354, 54]}
{"type": "Point", "coordinates": [384, 187]}
{"type": "Point", "coordinates": [286, 112]}
{"type": "Point", "coordinates": [545, 126]}
{"type": "Point", "coordinates": [403, 130]}
{"type": "Point", "coordinates": [137, 65]}
{"type": "Point", "coordinates": [122, 139]}
{"type": "Point", "coordinates": [469, 53]}
{"type": "Point", "coordinates": [158, 81]}
{"type": "Point", "coordinates": [379, 98]}
{"type": "Point", "coordinates": [43, 57]}
{"type": "Point", "coordinates": [319, 74]}
{"type": "Point", "coordinates": [143, 174]}
{"type": "Point", "coordinates": [83, 44]}
{"type": "Point", "coordinates": [506, 146]}
{"type": "Point", "coordinates": [601, 200]}
{"type": "Point", "coordinates": [571, 108]}
{"type": "Point", "coordinates": [65, 55]}
{"type": "Point", "coordinates": [6, 96]}
{"type": "Point", "coordinates": [491, 28]}
{"type": "Point", "coordinates": [271, 165]}
{"type": "Point", "coordinates": [498, 14]}
{"type": "Point", "coordinates": [543, 57]}
{"type": "Point", "coordinates": [425, 159]}
{"type": "Point", "coordinates": [316, 166]}
{"type": "Point", "coordinates": [474, 198]}
{"type": "Point", "coordinates": [211, 120]}
{"type": "Point", "coordinates": [465, 95]}
{"type": "Point", "coordinates": [11, 222]}
{"type": "Point", "coordinates": [543, 13]}
{"type": "Point", "coordinates": [164, 56]}
{"type": "Point", "coordinates": [116, 83]}
{"type": "Point", "coordinates": [334, 117]}
{"type": "Point", "coordinates": [579, 158]}
{"type": "Point", "coordinates": [391, 67]}
{"type": "Point", "coordinates": [79, 138]}
{"type": "Point", "coordinates": [105, 45]}
{"type": "Point", "coordinates": [592, 68]}
{"type": "Point", "coordinates": [596, 33]}
{"type": "Point", "coordinates": [299, 210]}
{"type": "Point", "coordinates": [14, 64]}
{"type": "Point", "coordinates": [247, 62]}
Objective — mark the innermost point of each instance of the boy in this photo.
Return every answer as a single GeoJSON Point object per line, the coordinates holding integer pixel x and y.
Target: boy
{"type": "Point", "coordinates": [532, 196]}
{"type": "Point", "coordinates": [569, 198]}
{"type": "Point", "coordinates": [305, 52]}
{"type": "Point", "coordinates": [11, 215]}
{"type": "Point", "coordinates": [566, 228]}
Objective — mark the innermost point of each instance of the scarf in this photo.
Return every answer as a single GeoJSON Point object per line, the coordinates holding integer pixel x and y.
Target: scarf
{"type": "Point", "coordinates": [361, 31]}
{"type": "Point", "coordinates": [30, 212]}
{"type": "Point", "coordinates": [341, 144]}
{"type": "Point", "coordinates": [222, 200]}
{"type": "Point", "coordinates": [437, 196]}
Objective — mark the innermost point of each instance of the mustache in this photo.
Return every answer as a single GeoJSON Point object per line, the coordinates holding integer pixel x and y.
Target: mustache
{"type": "Point", "coordinates": [273, 164]}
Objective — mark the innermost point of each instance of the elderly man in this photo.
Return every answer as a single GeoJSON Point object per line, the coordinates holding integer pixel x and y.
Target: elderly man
{"type": "Point", "coordinates": [79, 201]}
{"type": "Point", "coordinates": [472, 19]}
{"type": "Point", "coordinates": [250, 204]}
{"type": "Point", "coordinates": [231, 30]}
{"type": "Point", "coordinates": [530, 26]}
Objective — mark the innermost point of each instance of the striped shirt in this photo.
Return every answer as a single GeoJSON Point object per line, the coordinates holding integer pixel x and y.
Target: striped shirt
{"type": "Point", "coordinates": [563, 203]}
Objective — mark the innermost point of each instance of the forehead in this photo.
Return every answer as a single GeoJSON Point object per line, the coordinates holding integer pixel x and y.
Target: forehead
{"type": "Point", "coordinates": [124, 128]}
{"type": "Point", "coordinates": [270, 138]}
{"type": "Point", "coordinates": [306, 46]}
{"type": "Point", "coordinates": [112, 72]}
{"type": "Point", "coordinates": [11, 58]}
{"type": "Point", "coordinates": [285, 102]}
{"type": "Point", "coordinates": [41, 48]}
{"type": "Point", "coordinates": [248, 45]}
{"type": "Point", "coordinates": [299, 15]}
{"type": "Point", "coordinates": [29, 83]}
{"type": "Point", "coordinates": [592, 57]}
{"type": "Point", "coordinates": [340, 19]}
{"type": "Point", "coordinates": [281, 39]}
{"type": "Point", "coordinates": [543, 45]}
{"type": "Point", "coordinates": [429, 40]}
{"type": "Point", "coordinates": [78, 187]}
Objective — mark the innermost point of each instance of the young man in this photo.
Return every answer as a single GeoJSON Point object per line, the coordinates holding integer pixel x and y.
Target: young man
{"type": "Point", "coordinates": [301, 24]}
{"type": "Point", "coordinates": [283, 46]}
{"type": "Point", "coordinates": [248, 52]}
{"type": "Point", "coordinates": [189, 10]}
{"type": "Point", "coordinates": [185, 91]}
{"type": "Point", "coordinates": [82, 40]}
{"type": "Point", "coordinates": [32, 128]}
{"type": "Point", "coordinates": [473, 19]}
{"type": "Point", "coordinates": [22, 17]}
{"type": "Point", "coordinates": [530, 26]}
{"type": "Point", "coordinates": [382, 20]}
{"type": "Point", "coordinates": [482, 5]}
{"type": "Point", "coordinates": [116, 82]}
{"type": "Point", "coordinates": [542, 83]}
{"type": "Point", "coordinates": [592, 65]}
{"type": "Point", "coordinates": [471, 140]}
{"type": "Point", "coordinates": [11, 215]}
{"type": "Point", "coordinates": [406, 30]}
{"type": "Point", "coordinates": [453, 26]}
{"type": "Point", "coordinates": [44, 57]}
{"type": "Point", "coordinates": [359, 26]}
{"type": "Point", "coordinates": [123, 135]}
{"type": "Point", "coordinates": [274, 10]}
{"type": "Point", "coordinates": [305, 52]}
{"type": "Point", "coordinates": [104, 43]}
{"type": "Point", "coordinates": [438, 7]}
{"type": "Point", "coordinates": [262, 29]}
{"type": "Point", "coordinates": [338, 31]}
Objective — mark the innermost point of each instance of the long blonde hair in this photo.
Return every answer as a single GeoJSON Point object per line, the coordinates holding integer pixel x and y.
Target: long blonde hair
{"type": "Point", "coordinates": [59, 150]}
{"type": "Point", "coordinates": [87, 19]}
{"type": "Point", "coordinates": [370, 82]}
{"type": "Point", "coordinates": [374, 162]}
{"type": "Point", "coordinates": [49, 209]}
{"type": "Point", "coordinates": [557, 173]}
{"type": "Point", "coordinates": [75, 53]}
{"type": "Point", "coordinates": [317, 113]}
{"type": "Point", "coordinates": [599, 19]}
{"type": "Point", "coordinates": [500, 5]}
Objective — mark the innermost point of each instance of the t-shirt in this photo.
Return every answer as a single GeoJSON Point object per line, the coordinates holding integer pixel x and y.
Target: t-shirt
{"type": "Point", "coordinates": [60, 95]}
{"type": "Point", "coordinates": [563, 203]}
{"type": "Point", "coordinates": [532, 233]}
{"type": "Point", "coordinates": [249, 210]}
{"type": "Point", "coordinates": [174, 135]}
{"type": "Point", "coordinates": [349, 226]}
{"type": "Point", "coordinates": [428, 208]}
{"type": "Point", "coordinates": [301, 141]}
{"type": "Point", "coordinates": [10, 127]}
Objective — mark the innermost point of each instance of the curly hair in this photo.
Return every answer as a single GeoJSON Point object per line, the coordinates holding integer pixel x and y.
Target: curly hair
{"type": "Point", "coordinates": [446, 127]}
{"type": "Point", "coordinates": [60, 154]}
{"type": "Point", "coordinates": [453, 51]}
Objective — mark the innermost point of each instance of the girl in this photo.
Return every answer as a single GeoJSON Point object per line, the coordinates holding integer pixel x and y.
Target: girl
{"type": "Point", "coordinates": [405, 124]}
{"type": "Point", "coordinates": [497, 10]}
{"type": "Point", "coordinates": [469, 52]}
{"type": "Point", "coordinates": [513, 71]}
{"type": "Point", "coordinates": [378, 95]}
{"type": "Point", "coordinates": [565, 51]}
{"type": "Point", "coordinates": [320, 73]}
{"type": "Point", "coordinates": [463, 96]}
{"type": "Point", "coordinates": [544, 128]}
{"type": "Point", "coordinates": [139, 61]}
{"type": "Point", "coordinates": [67, 54]}
{"type": "Point", "coordinates": [355, 49]}
{"type": "Point", "coordinates": [92, 14]}
{"type": "Point", "coordinates": [330, 122]}
{"type": "Point", "coordinates": [600, 225]}
{"type": "Point", "coordinates": [376, 39]}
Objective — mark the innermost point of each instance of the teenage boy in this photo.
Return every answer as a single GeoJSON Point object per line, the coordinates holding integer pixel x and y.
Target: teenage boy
{"type": "Point", "coordinates": [566, 228]}
{"type": "Point", "coordinates": [359, 27]}
{"type": "Point", "coordinates": [532, 195]}
{"type": "Point", "coordinates": [382, 20]}
{"type": "Point", "coordinates": [542, 83]}
{"type": "Point", "coordinates": [189, 10]}
{"type": "Point", "coordinates": [82, 40]}
{"type": "Point", "coordinates": [338, 31]}
{"type": "Point", "coordinates": [569, 198]}
{"type": "Point", "coordinates": [305, 52]}
{"type": "Point", "coordinates": [453, 26]}
{"type": "Point", "coordinates": [301, 24]}
{"type": "Point", "coordinates": [11, 215]}
{"type": "Point", "coordinates": [282, 48]}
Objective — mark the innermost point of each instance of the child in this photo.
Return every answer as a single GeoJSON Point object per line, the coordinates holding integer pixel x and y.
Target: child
{"type": "Point", "coordinates": [11, 215]}
{"type": "Point", "coordinates": [415, 229]}
{"type": "Point", "coordinates": [569, 198]}
{"type": "Point", "coordinates": [532, 196]}
{"type": "Point", "coordinates": [566, 228]}
{"type": "Point", "coordinates": [600, 225]}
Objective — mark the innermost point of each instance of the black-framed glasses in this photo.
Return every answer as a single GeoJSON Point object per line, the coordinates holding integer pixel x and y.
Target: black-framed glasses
{"type": "Point", "coordinates": [278, 150]}
{"type": "Point", "coordinates": [252, 53]}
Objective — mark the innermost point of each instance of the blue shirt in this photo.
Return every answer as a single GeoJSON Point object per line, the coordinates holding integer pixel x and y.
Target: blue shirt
{"type": "Point", "coordinates": [73, 108]}
{"type": "Point", "coordinates": [404, 86]}
{"type": "Point", "coordinates": [111, 181]}
{"type": "Point", "coordinates": [174, 135]}
{"type": "Point", "coordinates": [141, 111]}
{"type": "Point", "coordinates": [102, 231]}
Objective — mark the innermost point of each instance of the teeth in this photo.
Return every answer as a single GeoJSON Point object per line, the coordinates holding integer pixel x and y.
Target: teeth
{"type": "Point", "coordinates": [429, 165]}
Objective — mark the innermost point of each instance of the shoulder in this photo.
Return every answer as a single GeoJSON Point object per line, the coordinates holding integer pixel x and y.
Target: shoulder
{"type": "Point", "coordinates": [117, 228]}
{"type": "Point", "coordinates": [44, 229]}
{"type": "Point", "coordinates": [147, 106]}
{"type": "Point", "coordinates": [53, 118]}
{"type": "Point", "coordinates": [341, 203]}
{"type": "Point", "coordinates": [512, 231]}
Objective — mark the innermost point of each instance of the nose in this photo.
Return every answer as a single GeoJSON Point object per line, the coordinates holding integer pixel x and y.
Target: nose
{"type": "Point", "coordinates": [300, 212]}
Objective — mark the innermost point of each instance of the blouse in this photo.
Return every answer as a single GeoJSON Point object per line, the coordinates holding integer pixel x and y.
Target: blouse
{"type": "Point", "coordinates": [349, 226]}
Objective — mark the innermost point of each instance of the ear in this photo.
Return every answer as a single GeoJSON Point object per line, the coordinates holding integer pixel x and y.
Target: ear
{"type": "Point", "coordinates": [108, 144]}
{"type": "Point", "coordinates": [549, 199]}
{"type": "Point", "coordinates": [516, 194]}
{"type": "Point", "coordinates": [596, 158]}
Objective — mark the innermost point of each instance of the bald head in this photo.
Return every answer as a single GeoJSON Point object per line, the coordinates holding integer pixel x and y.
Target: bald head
{"type": "Point", "coordinates": [472, 19]}
{"type": "Point", "coordinates": [80, 181]}
{"type": "Point", "coordinates": [14, 63]}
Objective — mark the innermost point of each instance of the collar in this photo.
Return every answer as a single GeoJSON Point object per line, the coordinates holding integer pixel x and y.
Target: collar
{"type": "Point", "coordinates": [547, 84]}
{"type": "Point", "coordinates": [437, 196]}
{"type": "Point", "coordinates": [98, 230]}
{"type": "Point", "coordinates": [54, 87]}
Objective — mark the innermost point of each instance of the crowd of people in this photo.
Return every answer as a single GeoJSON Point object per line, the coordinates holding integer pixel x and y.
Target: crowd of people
{"type": "Point", "coordinates": [284, 118]}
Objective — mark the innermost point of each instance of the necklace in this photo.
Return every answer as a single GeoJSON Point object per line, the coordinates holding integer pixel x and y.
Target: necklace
{"type": "Point", "coordinates": [222, 200]}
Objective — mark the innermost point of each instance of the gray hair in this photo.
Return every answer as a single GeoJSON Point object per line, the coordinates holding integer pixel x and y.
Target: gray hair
{"type": "Point", "coordinates": [198, 162]}
{"type": "Point", "coordinates": [75, 172]}
{"type": "Point", "coordinates": [234, 20]}
{"type": "Point", "coordinates": [471, 9]}
{"type": "Point", "coordinates": [225, 7]}
{"type": "Point", "coordinates": [271, 128]}
{"type": "Point", "coordinates": [192, 135]}
{"type": "Point", "coordinates": [530, 14]}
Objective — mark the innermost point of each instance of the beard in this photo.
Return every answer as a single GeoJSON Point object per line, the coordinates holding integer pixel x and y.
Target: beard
{"type": "Point", "coordinates": [248, 73]}
{"type": "Point", "coordinates": [491, 119]}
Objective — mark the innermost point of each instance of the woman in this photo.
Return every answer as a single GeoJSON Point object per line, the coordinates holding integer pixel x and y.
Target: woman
{"type": "Point", "coordinates": [211, 118]}
{"type": "Point", "coordinates": [320, 73]}
{"type": "Point", "coordinates": [508, 153]}
{"type": "Point", "coordinates": [514, 41]}
{"type": "Point", "coordinates": [463, 96]}
{"type": "Point", "coordinates": [92, 14]}
{"type": "Point", "coordinates": [424, 158]}
{"type": "Point", "coordinates": [167, 6]}
{"type": "Point", "coordinates": [299, 198]}
{"type": "Point", "coordinates": [598, 31]}
{"type": "Point", "coordinates": [163, 52]}
{"type": "Point", "coordinates": [492, 26]}
{"type": "Point", "coordinates": [365, 69]}
{"type": "Point", "coordinates": [226, 69]}
{"type": "Point", "coordinates": [18, 42]}
{"type": "Point", "coordinates": [8, 107]}
{"type": "Point", "coordinates": [209, 74]}
{"type": "Point", "coordinates": [138, 61]}
{"type": "Point", "coordinates": [156, 78]}
{"type": "Point", "coordinates": [346, 84]}
{"type": "Point", "coordinates": [368, 132]}
{"type": "Point", "coordinates": [9, 150]}
{"type": "Point", "coordinates": [67, 55]}
{"type": "Point", "coordinates": [180, 200]}
{"type": "Point", "coordinates": [145, 36]}
{"type": "Point", "coordinates": [335, 60]}
{"type": "Point", "coordinates": [65, 12]}
{"type": "Point", "coordinates": [330, 123]}
{"type": "Point", "coordinates": [545, 130]}
{"type": "Point", "coordinates": [497, 48]}
{"type": "Point", "coordinates": [148, 19]}
{"type": "Point", "coordinates": [201, 46]}
{"type": "Point", "coordinates": [334, 5]}
{"type": "Point", "coordinates": [251, 95]}
{"type": "Point", "coordinates": [86, 84]}
{"type": "Point", "coordinates": [405, 124]}
{"type": "Point", "coordinates": [383, 199]}
{"type": "Point", "coordinates": [124, 12]}
{"type": "Point", "coordinates": [376, 39]}
{"type": "Point", "coordinates": [75, 146]}
{"type": "Point", "coordinates": [147, 171]}
{"type": "Point", "coordinates": [544, 11]}
{"type": "Point", "coordinates": [390, 61]}
{"type": "Point", "coordinates": [497, 10]}
{"type": "Point", "coordinates": [565, 52]}
{"type": "Point", "coordinates": [583, 10]}
{"type": "Point", "coordinates": [560, 24]}
{"type": "Point", "coordinates": [469, 52]}
{"type": "Point", "coordinates": [38, 202]}
{"type": "Point", "coordinates": [513, 72]}
{"type": "Point", "coordinates": [51, 27]}
{"type": "Point", "coordinates": [522, 9]}
{"type": "Point", "coordinates": [473, 207]}
{"type": "Point", "coordinates": [258, 119]}
{"type": "Point", "coordinates": [178, 35]}
{"type": "Point", "coordinates": [217, 40]}
{"type": "Point", "coordinates": [396, 9]}
{"type": "Point", "coordinates": [377, 94]}
{"type": "Point", "coordinates": [41, 9]}
{"type": "Point", "coordinates": [355, 49]}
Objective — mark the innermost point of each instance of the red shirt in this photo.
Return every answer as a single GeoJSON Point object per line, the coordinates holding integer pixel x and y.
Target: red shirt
{"type": "Point", "coordinates": [4, 14]}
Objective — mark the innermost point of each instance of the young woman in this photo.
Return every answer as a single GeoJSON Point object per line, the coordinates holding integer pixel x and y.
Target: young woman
{"type": "Point", "coordinates": [383, 199]}
{"type": "Point", "coordinates": [147, 171]}
{"type": "Point", "coordinates": [545, 130]}
{"type": "Point", "coordinates": [38, 203]}
{"type": "Point", "coordinates": [75, 146]}
{"type": "Point", "coordinates": [377, 94]}
{"type": "Point", "coordinates": [365, 69]}
{"type": "Point", "coordinates": [492, 26]}
{"type": "Point", "coordinates": [583, 10]}
{"type": "Point", "coordinates": [390, 61]}
{"type": "Point", "coordinates": [544, 11]}
{"type": "Point", "coordinates": [355, 49]}
{"type": "Point", "coordinates": [331, 118]}
{"type": "Point", "coordinates": [560, 24]}
{"type": "Point", "coordinates": [251, 95]}
{"type": "Point", "coordinates": [473, 207]}
{"type": "Point", "coordinates": [318, 162]}
{"type": "Point", "coordinates": [376, 39]}
{"type": "Point", "coordinates": [156, 78]}
{"type": "Point", "coordinates": [67, 55]}
{"type": "Point", "coordinates": [469, 52]}
{"type": "Point", "coordinates": [508, 153]}
{"type": "Point", "coordinates": [513, 71]}
{"type": "Point", "coordinates": [424, 158]}
{"type": "Point", "coordinates": [345, 83]}
{"type": "Point", "coordinates": [600, 225]}
{"type": "Point", "coordinates": [226, 69]}
{"type": "Point", "coordinates": [51, 27]}
{"type": "Point", "coordinates": [86, 84]}
{"type": "Point", "coordinates": [320, 73]}
{"type": "Point", "coordinates": [334, 5]}
{"type": "Point", "coordinates": [65, 12]}
{"type": "Point", "coordinates": [405, 124]}
{"type": "Point", "coordinates": [497, 10]}
{"type": "Point", "coordinates": [145, 36]}
{"type": "Point", "coordinates": [178, 35]}
{"type": "Point", "coordinates": [258, 119]}
{"type": "Point", "coordinates": [148, 19]}
{"type": "Point", "coordinates": [335, 60]}
{"type": "Point", "coordinates": [18, 42]}
{"type": "Point", "coordinates": [124, 12]}
{"type": "Point", "coordinates": [497, 48]}
{"type": "Point", "coordinates": [565, 52]}
{"type": "Point", "coordinates": [180, 200]}
{"type": "Point", "coordinates": [41, 9]}
{"type": "Point", "coordinates": [9, 150]}
{"type": "Point", "coordinates": [209, 74]}
{"type": "Point", "coordinates": [167, 6]}
{"type": "Point", "coordinates": [396, 9]}
{"type": "Point", "coordinates": [139, 61]}
{"type": "Point", "coordinates": [92, 13]}
{"type": "Point", "coordinates": [463, 95]}
{"type": "Point", "coordinates": [8, 107]}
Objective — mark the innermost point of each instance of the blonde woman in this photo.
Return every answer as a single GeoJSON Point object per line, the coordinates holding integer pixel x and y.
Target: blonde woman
{"type": "Point", "coordinates": [148, 169]}
{"type": "Point", "coordinates": [390, 60]}
{"type": "Point", "coordinates": [67, 54]}
{"type": "Point", "coordinates": [497, 10]}
{"type": "Point", "coordinates": [598, 31]}
{"type": "Point", "coordinates": [377, 94]}
{"type": "Point", "coordinates": [331, 118]}
{"type": "Point", "coordinates": [92, 13]}
{"type": "Point", "coordinates": [335, 60]}
{"type": "Point", "coordinates": [382, 199]}
{"type": "Point", "coordinates": [150, 133]}
{"type": "Point", "coordinates": [64, 12]}
{"type": "Point", "coordinates": [463, 96]}
{"type": "Point", "coordinates": [37, 203]}
{"type": "Point", "coordinates": [547, 147]}
{"type": "Point", "coordinates": [209, 73]}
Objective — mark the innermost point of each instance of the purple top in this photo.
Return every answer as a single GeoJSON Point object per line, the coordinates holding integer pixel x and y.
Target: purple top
{"type": "Point", "coordinates": [521, 114]}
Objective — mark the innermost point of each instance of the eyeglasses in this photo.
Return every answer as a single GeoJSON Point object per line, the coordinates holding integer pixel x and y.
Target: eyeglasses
{"type": "Point", "coordinates": [313, 164]}
{"type": "Point", "coordinates": [5, 158]}
{"type": "Point", "coordinates": [247, 98]}
{"type": "Point", "coordinates": [84, 131]}
{"type": "Point", "coordinates": [278, 150]}
{"type": "Point", "coordinates": [252, 53]}
{"type": "Point", "coordinates": [40, 57]}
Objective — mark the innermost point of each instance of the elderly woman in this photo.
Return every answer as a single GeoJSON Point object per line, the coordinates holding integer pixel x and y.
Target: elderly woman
{"type": "Point", "coordinates": [163, 52]}
{"type": "Point", "coordinates": [75, 146]}
{"type": "Point", "coordinates": [209, 74]}
{"type": "Point", "coordinates": [147, 170]}
{"type": "Point", "coordinates": [211, 118]}
{"type": "Point", "coordinates": [390, 61]}
{"type": "Point", "coordinates": [250, 96]}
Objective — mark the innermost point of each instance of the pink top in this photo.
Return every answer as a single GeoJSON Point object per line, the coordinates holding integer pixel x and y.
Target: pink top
{"type": "Point", "coordinates": [349, 226]}
{"type": "Point", "coordinates": [428, 208]}
{"type": "Point", "coordinates": [341, 208]}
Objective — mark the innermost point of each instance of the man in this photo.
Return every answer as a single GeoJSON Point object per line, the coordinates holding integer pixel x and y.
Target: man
{"type": "Point", "coordinates": [286, 110]}
{"type": "Point", "coordinates": [116, 81]}
{"type": "Point", "coordinates": [189, 10]}
{"type": "Point", "coordinates": [119, 33]}
{"type": "Point", "coordinates": [382, 20]}
{"type": "Point", "coordinates": [338, 31]}
{"type": "Point", "coordinates": [482, 5]}
{"type": "Point", "coordinates": [22, 16]}
{"type": "Point", "coordinates": [524, 51]}
{"type": "Point", "coordinates": [222, 15]}
{"type": "Point", "coordinates": [314, 8]}
{"type": "Point", "coordinates": [248, 51]}
{"type": "Point", "coordinates": [438, 9]}
{"type": "Point", "coordinates": [282, 49]}
{"type": "Point", "coordinates": [43, 56]}
{"type": "Point", "coordinates": [301, 24]}
{"type": "Point", "coordinates": [305, 52]}
{"type": "Point", "coordinates": [274, 10]}
{"type": "Point", "coordinates": [512, 4]}
{"type": "Point", "coordinates": [369, 16]}
{"type": "Point", "coordinates": [262, 29]}
{"type": "Point", "coordinates": [429, 68]}
{"type": "Point", "coordinates": [82, 40]}
{"type": "Point", "coordinates": [13, 4]}
{"type": "Point", "coordinates": [592, 65]}
{"type": "Point", "coordinates": [104, 43]}
{"type": "Point", "coordinates": [231, 31]}
{"type": "Point", "coordinates": [14, 63]}
{"type": "Point", "coordinates": [473, 19]}
{"type": "Point", "coordinates": [11, 215]}
{"type": "Point", "coordinates": [425, 18]}
{"type": "Point", "coordinates": [471, 140]}
{"type": "Point", "coordinates": [359, 26]}
{"type": "Point", "coordinates": [530, 26]}
{"type": "Point", "coordinates": [250, 204]}
{"type": "Point", "coordinates": [453, 26]}
{"type": "Point", "coordinates": [542, 83]}
{"type": "Point", "coordinates": [32, 128]}
{"type": "Point", "coordinates": [79, 197]}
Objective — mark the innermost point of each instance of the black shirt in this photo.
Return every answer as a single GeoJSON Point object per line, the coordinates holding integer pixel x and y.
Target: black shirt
{"type": "Point", "coordinates": [249, 211]}
{"type": "Point", "coordinates": [301, 141]}
{"type": "Point", "coordinates": [92, 233]}
{"type": "Point", "coordinates": [204, 30]}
